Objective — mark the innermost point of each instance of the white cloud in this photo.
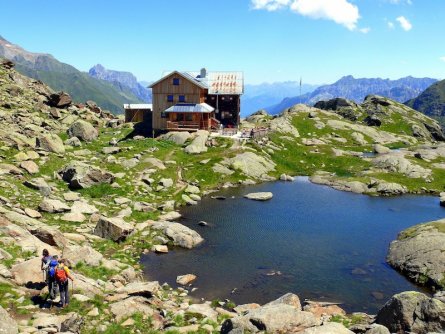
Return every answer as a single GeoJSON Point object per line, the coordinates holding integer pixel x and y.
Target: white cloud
{"type": "Point", "coordinates": [390, 25]}
{"type": "Point", "coordinates": [340, 11]}
{"type": "Point", "coordinates": [442, 58]}
{"type": "Point", "coordinates": [404, 23]}
{"type": "Point", "coordinates": [397, 2]}
{"type": "Point", "coordinates": [365, 30]}
{"type": "Point", "coordinates": [270, 5]}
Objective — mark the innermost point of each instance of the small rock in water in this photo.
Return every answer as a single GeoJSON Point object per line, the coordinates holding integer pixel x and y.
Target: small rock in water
{"type": "Point", "coordinates": [358, 271]}
{"type": "Point", "coordinates": [260, 196]}
{"type": "Point", "coordinates": [185, 279]}
{"type": "Point", "coordinates": [219, 197]}
{"type": "Point", "coordinates": [203, 223]}
{"type": "Point", "coordinates": [160, 248]}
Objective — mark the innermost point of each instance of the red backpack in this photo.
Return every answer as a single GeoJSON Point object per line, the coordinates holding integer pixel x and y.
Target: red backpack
{"type": "Point", "coordinates": [61, 274]}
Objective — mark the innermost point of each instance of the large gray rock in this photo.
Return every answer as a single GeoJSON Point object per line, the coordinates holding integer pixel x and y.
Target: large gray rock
{"type": "Point", "coordinates": [127, 307]}
{"type": "Point", "coordinates": [419, 253]}
{"type": "Point", "coordinates": [179, 137]}
{"type": "Point", "coordinates": [84, 253]}
{"type": "Point", "coordinates": [180, 234]}
{"type": "Point", "coordinates": [328, 328]}
{"type": "Point", "coordinates": [80, 175]}
{"type": "Point", "coordinates": [82, 130]}
{"type": "Point", "coordinates": [396, 163]}
{"type": "Point", "coordinates": [39, 184]}
{"type": "Point", "coordinates": [115, 229]}
{"type": "Point", "coordinates": [276, 318]}
{"type": "Point", "coordinates": [51, 143]}
{"type": "Point", "coordinates": [7, 324]}
{"type": "Point", "coordinates": [198, 145]}
{"type": "Point", "coordinates": [53, 206]}
{"type": "Point", "coordinates": [260, 196]}
{"type": "Point", "coordinates": [390, 188]}
{"type": "Point", "coordinates": [144, 289]}
{"type": "Point", "coordinates": [252, 165]}
{"type": "Point", "coordinates": [28, 272]}
{"type": "Point", "coordinates": [412, 311]}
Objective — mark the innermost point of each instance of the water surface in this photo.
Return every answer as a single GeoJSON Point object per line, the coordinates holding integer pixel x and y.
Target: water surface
{"type": "Point", "coordinates": [312, 240]}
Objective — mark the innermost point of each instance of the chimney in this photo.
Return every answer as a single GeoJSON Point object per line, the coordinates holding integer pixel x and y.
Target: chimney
{"type": "Point", "coordinates": [203, 73]}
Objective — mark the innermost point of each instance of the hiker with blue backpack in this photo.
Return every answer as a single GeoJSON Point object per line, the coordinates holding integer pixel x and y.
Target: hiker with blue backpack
{"type": "Point", "coordinates": [62, 275]}
{"type": "Point", "coordinates": [48, 266]}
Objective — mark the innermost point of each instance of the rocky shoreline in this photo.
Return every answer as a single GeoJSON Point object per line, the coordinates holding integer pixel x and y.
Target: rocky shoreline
{"type": "Point", "coordinates": [71, 183]}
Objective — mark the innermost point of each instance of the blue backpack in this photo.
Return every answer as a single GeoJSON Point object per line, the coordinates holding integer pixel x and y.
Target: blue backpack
{"type": "Point", "coordinates": [52, 268]}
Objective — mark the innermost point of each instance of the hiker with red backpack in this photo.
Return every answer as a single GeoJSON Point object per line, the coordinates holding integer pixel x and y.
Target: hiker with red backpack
{"type": "Point", "coordinates": [62, 275]}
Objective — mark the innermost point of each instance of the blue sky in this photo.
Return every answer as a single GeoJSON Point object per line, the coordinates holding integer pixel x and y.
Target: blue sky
{"type": "Point", "coordinates": [270, 40]}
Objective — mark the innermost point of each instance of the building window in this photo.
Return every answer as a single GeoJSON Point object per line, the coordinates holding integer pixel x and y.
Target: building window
{"type": "Point", "coordinates": [181, 98]}
{"type": "Point", "coordinates": [176, 81]}
{"type": "Point", "coordinates": [189, 117]}
{"type": "Point", "coordinates": [179, 117]}
{"type": "Point", "coordinates": [164, 114]}
{"type": "Point", "coordinates": [169, 98]}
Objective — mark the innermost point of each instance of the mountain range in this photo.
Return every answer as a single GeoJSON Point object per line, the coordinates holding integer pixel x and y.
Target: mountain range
{"type": "Point", "coordinates": [121, 79]}
{"type": "Point", "coordinates": [60, 76]}
{"type": "Point", "coordinates": [258, 96]}
{"type": "Point", "coordinates": [354, 89]}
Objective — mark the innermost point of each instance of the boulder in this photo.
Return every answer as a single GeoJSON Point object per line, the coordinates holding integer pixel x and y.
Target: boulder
{"type": "Point", "coordinates": [252, 165]}
{"type": "Point", "coordinates": [260, 196]}
{"type": "Point", "coordinates": [127, 307]}
{"type": "Point", "coordinates": [40, 185]}
{"type": "Point", "coordinates": [46, 321]}
{"type": "Point", "coordinates": [198, 145]}
{"type": "Point", "coordinates": [50, 143]}
{"type": "Point", "coordinates": [72, 323]}
{"type": "Point", "coordinates": [23, 238]}
{"type": "Point", "coordinates": [30, 166]}
{"type": "Point", "coordinates": [435, 130]}
{"type": "Point", "coordinates": [83, 130]}
{"type": "Point", "coordinates": [158, 164]}
{"type": "Point", "coordinates": [53, 206]}
{"type": "Point", "coordinates": [169, 216]}
{"type": "Point", "coordinates": [280, 318]}
{"type": "Point", "coordinates": [32, 213]}
{"type": "Point", "coordinates": [180, 234]}
{"type": "Point", "coordinates": [188, 200]}
{"type": "Point", "coordinates": [7, 324]}
{"type": "Point", "coordinates": [442, 199]}
{"type": "Point", "coordinates": [160, 249]}
{"type": "Point", "coordinates": [327, 328]}
{"type": "Point", "coordinates": [74, 217]}
{"type": "Point", "coordinates": [80, 175]}
{"type": "Point", "coordinates": [204, 310]}
{"type": "Point", "coordinates": [380, 149]}
{"type": "Point", "coordinates": [390, 189]}
{"type": "Point", "coordinates": [9, 169]}
{"type": "Point", "coordinates": [419, 253]}
{"type": "Point", "coordinates": [73, 141]}
{"type": "Point", "coordinates": [377, 329]}
{"type": "Point", "coordinates": [143, 289]}
{"type": "Point", "coordinates": [83, 207]}
{"type": "Point", "coordinates": [28, 273]}
{"type": "Point", "coordinates": [396, 163]}
{"type": "Point", "coordinates": [412, 311]}
{"type": "Point", "coordinates": [178, 138]}
{"type": "Point", "coordinates": [185, 279]}
{"type": "Point", "coordinates": [167, 183]}
{"type": "Point", "coordinates": [60, 100]}
{"type": "Point", "coordinates": [115, 229]}
{"type": "Point", "coordinates": [111, 150]}
{"type": "Point", "coordinates": [49, 235]}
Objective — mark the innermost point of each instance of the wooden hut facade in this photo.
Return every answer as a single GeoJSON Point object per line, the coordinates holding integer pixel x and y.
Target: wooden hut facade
{"type": "Point", "coordinates": [196, 100]}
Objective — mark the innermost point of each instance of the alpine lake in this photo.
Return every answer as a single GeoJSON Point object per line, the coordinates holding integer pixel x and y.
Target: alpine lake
{"type": "Point", "coordinates": [317, 242]}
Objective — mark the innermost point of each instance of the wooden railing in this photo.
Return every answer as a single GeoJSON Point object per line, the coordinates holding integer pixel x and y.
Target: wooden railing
{"type": "Point", "coordinates": [182, 125]}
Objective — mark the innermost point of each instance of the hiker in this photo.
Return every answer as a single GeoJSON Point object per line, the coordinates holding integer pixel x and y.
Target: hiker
{"type": "Point", "coordinates": [51, 276]}
{"type": "Point", "coordinates": [62, 276]}
{"type": "Point", "coordinates": [47, 266]}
